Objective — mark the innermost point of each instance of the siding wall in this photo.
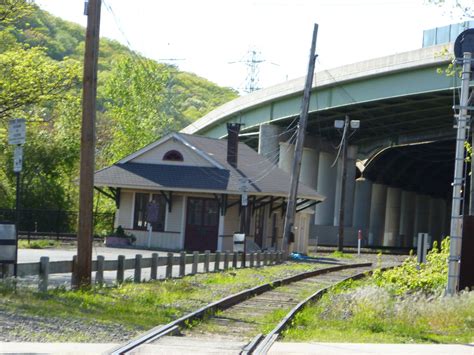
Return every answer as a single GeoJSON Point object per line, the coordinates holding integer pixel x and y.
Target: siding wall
{"type": "Point", "coordinates": [155, 155]}
{"type": "Point", "coordinates": [173, 237]}
{"type": "Point", "coordinates": [232, 220]}
{"type": "Point", "coordinates": [125, 217]}
{"type": "Point", "coordinates": [161, 240]}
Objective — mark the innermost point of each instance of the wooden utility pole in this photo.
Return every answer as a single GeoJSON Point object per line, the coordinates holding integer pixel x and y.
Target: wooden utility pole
{"type": "Point", "coordinates": [83, 269]}
{"type": "Point", "coordinates": [340, 240]}
{"type": "Point", "coordinates": [295, 172]}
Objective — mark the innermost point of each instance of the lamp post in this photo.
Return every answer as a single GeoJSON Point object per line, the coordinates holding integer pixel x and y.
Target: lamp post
{"type": "Point", "coordinates": [345, 125]}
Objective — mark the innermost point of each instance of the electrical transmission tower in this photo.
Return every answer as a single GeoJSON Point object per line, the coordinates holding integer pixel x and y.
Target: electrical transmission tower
{"type": "Point", "coordinates": [252, 61]}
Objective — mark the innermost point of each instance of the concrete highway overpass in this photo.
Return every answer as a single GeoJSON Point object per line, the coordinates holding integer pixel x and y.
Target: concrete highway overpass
{"type": "Point", "coordinates": [400, 164]}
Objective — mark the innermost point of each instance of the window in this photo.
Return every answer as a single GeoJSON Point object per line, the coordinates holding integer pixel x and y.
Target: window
{"type": "Point", "coordinates": [173, 155]}
{"type": "Point", "coordinates": [159, 226]}
{"type": "Point", "coordinates": [139, 217]}
{"type": "Point", "coordinates": [144, 202]}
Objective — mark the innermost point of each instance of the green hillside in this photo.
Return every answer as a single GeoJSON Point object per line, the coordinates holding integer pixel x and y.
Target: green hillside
{"type": "Point", "coordinates": [139, 100]}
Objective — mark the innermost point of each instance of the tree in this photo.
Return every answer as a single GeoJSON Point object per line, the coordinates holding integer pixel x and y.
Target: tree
{"type": "Point", "coordinates": [28, 77]}
{"type": "Point", "coordinates": [134, 101]}
{"type": "Point", "coordinates": [12, 10]}
{"type": "Point", "coordinates": [456, 8]}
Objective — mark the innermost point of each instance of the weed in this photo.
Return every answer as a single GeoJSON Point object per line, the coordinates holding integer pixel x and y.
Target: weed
{"type": "Point", "coordinates": [411, 276]}
{"type": "Point", "coordinates": [341, 255]}
{"type": "Point", "coordinates": [405, 304]}
{"type": "Point", "coordinates": [144, 305]}
{"type": "Point", "coordinates": [38, 244]}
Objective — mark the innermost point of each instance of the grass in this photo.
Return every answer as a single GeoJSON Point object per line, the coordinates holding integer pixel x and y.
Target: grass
{"type": "Point", "coordinates": [140, 306]}
{"type": "Point", "coordinates": [38, 244]}
{"type": "Point", "coordinates": [364, 313]}
{"type": "Point", "coordinates": [339, 254]}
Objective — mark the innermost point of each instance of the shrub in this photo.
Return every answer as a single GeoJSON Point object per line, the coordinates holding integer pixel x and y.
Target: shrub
{"type": "Point", "coordinates": [120, 233]}
{"type": "Point", "coordinates": [411, 276]}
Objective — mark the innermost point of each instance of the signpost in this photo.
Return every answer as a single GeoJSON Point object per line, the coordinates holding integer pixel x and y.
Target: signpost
{"type": "Point", "coordinates": [17, 131]}
{"type": "Point", "coordinates": [18, 159]}
{"type": "Point", "coordinates": [17, 137]}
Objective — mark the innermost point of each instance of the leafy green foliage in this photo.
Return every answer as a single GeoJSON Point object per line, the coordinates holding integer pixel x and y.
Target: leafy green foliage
{"type": "Point", "coordinates": [12, 10]}
{"type": "Point", "coordinates": [411, 276]}
{"type": "Point", "coordinates": [140, 306]}
{"type": "Point", "coordinates": [28, 77]}
{"type": "Point", "coordinates": [38, 244]}
{"type": "Point", "coordinates": [456, 8]}
{"type": "Point", "coordinates": [135, 105]}
{"type": "Point", "coordinates": [139, 100]}
{"type": "Point", "coordinates": [341, 255]}
{"type": "Point", "coordinates": [369, 313]}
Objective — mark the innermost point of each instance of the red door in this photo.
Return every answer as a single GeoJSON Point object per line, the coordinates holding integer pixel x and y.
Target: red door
{"type": "Point", "coordinates": [202, 224]}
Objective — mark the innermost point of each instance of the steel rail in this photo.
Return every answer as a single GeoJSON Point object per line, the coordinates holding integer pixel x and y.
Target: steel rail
{"type": "Point", "coordinates": [266, 342]}
{"type": "Point", "coordinates": [222, 304]}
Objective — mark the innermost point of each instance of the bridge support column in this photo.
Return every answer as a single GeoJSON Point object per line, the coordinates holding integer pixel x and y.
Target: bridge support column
{"type": "Point", "coordinates": [407, 217]}
{"type": "Point", "coordinates": [268, 142]}
{"type": "Point", "coordinates": [377, 213]}
{"type": "Point", "coordinates": [309, 167]}
{"type": "Point", "coordinates": [392, 217]}
{"type": "Point", "coordinates": [287, 154]}
{"type": "Point", "coordinates": [309, 163]}
{"type": "Point", "coordinates": [422, 213]}
{"type": "Point", "coordinates": [327, 187]}
{"type": "Point", "coordinates": [445, 214]}
{"type": "Point", "coordinates": [361, 215]}
{"type": "Point", "coordinates": [436, 216]}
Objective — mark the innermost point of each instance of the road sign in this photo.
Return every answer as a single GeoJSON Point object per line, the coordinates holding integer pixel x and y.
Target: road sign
{"type": "Point", "coordinates": [17, 131]}
{"type": "Point", "coordinates": [18, 159]}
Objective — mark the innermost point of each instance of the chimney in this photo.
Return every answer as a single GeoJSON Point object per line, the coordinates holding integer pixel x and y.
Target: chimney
{"type": "Point", "coordinates": [233, 130]}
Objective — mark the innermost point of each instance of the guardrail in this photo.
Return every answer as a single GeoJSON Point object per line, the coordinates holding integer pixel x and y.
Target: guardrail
{"type": "Point", "coordinates": [221, 260]}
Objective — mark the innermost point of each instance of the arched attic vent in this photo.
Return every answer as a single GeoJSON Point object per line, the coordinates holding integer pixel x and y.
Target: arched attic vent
{"type": "Point", "coordinates": [173, 155]}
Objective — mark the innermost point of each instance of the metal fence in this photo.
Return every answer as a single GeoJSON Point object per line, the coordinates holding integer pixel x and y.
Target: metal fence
{"type": "Point", "coordinates": [54, 223]}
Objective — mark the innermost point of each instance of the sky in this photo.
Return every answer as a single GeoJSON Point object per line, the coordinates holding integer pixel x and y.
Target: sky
{"type": "Point", "coordinates": [213, 38]}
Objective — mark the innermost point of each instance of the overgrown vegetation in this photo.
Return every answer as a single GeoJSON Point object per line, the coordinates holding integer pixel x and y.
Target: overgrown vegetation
{"type": "Point", "coordinates": [402, 305]}
{"type": "Point", "coordinates": [429, 277]}
{"type": "Point", "coordinates": [139, 100]}
{"type": "Point", "coordinates": [340, 254]}
{"type": "Point", "coordinates": [139, 306]}
{"type": "Point", "coordinates": [38, 244]}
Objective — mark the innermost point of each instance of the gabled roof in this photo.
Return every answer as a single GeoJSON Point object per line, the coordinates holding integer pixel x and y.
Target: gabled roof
{"type": "Point", "coordinates": [263, 176]}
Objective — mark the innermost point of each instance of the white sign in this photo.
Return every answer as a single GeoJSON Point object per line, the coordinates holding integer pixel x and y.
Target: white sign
{"type": "Point", "coordinates": [18, 159]}
{"type": "Point", "coordinates": [245, 198]}
{"type": "Point", "coordinates": [244, 187]}
{"type": "Point", "coordinates": [17, 131]}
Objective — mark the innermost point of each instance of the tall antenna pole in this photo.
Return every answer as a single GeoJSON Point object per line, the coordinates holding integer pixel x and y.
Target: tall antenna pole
{"type": "Point", "coordinates": [83, 268]}
{"type": "Point", "coordinates": [295, 174]}
{"type": "Point", "coordinates": [456, 212]}
{"type": "Point", "coordinates": [340, 239]}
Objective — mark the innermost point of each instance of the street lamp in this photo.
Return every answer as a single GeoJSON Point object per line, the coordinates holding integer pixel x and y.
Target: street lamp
{"type": "Point", "coordinates": [345, 125]}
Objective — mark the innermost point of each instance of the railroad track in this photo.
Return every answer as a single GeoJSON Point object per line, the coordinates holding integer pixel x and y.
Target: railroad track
{"type": "Point", "coordinates": [236, 324]}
